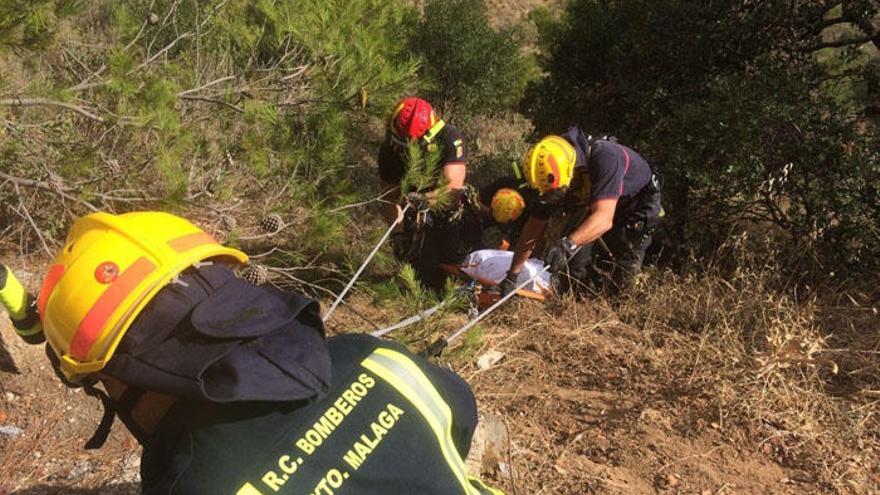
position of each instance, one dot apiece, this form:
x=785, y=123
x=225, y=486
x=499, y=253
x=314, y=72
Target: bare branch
x=208, y=84
x=213, y=100
x=33, y=102
x=827, y=23
x=19, y=181
x=378, y=199
x=140, y=31
x=840, y=43
x=169, y=46
x=26, y=214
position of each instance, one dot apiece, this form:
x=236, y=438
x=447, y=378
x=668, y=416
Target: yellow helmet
x=549, y=165
x=507, y=205
x=108, y=270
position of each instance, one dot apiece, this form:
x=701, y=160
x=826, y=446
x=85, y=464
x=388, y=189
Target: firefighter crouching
x=233, y=388
x=608, y=197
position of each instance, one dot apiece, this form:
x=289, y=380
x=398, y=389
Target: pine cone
x=271, y=223
x=256, y=274
x=228, y=222
x=56, y=182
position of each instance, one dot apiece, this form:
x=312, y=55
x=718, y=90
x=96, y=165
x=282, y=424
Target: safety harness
x=460, y=221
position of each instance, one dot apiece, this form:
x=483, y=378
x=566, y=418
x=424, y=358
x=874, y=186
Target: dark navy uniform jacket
x=390, y=424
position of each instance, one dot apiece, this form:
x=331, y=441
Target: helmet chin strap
x=425, y=140
x=99, y=437
x=435, y=129
x=122, y=408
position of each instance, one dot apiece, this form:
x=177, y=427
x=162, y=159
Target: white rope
x=364, y=264
x=421, y=315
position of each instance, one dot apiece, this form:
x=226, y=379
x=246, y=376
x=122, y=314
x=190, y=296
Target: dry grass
x=504, y=12
x=794, y=375
x=706, y=383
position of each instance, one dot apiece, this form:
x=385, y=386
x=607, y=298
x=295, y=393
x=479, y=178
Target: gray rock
x=10, y=431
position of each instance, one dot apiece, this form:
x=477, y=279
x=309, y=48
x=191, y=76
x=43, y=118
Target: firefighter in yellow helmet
x=607, y=193
x=232, y=387
x=506, y=204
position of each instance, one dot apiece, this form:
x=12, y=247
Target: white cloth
x=492, y=264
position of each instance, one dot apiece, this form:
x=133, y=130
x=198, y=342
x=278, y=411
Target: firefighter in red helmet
x=434, y=231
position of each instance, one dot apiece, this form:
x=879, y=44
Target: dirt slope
x=48, y=458
x=579, y=420
x=582, y=420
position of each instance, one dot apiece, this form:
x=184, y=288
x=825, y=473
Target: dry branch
x=213, y=100
x=207, y=84
x=164, y=50
x=20, y=181
x=27, y=215
x=46, y=102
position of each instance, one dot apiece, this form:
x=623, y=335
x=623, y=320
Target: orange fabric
x=457, y=271
x=190, y=241
x=554, y=167
x=52, y=278
x=92, y=324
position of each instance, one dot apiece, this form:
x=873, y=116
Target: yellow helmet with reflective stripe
x=507, y=205
x=108, y=270
x=549, y=165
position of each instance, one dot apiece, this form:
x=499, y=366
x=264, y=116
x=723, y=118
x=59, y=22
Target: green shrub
x=749, y=127
x=471, y=68
x=32, y=23
x=221, y=109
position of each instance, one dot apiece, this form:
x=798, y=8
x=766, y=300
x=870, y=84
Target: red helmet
x=412, y=118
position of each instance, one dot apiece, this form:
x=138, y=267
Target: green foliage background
x=761, y=116
x=200, y=105
x=468, y=67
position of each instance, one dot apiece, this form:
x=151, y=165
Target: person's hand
x=559, y=254
x=508, y=285
x=418, y=201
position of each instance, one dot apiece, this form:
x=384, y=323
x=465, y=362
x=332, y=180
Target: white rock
x=10, y=431
x=489, y=359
